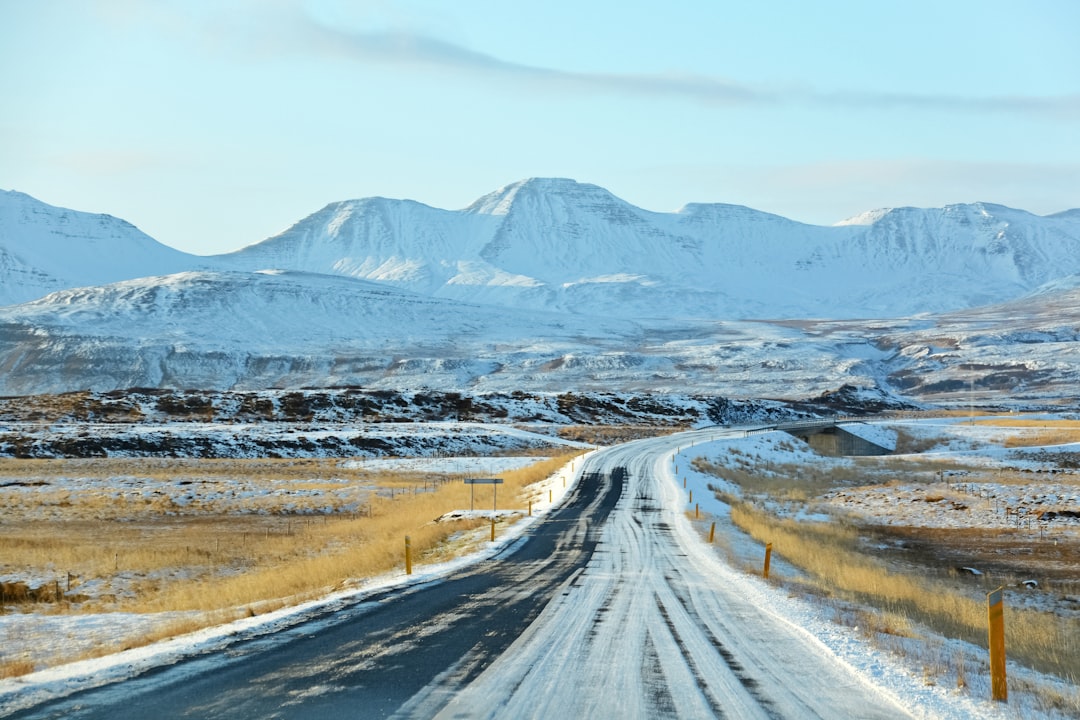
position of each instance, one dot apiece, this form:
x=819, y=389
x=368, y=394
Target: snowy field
x=925, y=499
x=904, y=676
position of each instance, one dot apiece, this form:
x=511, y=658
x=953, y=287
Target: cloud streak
x=269, y=28
x=405, y=48
x=410, y=49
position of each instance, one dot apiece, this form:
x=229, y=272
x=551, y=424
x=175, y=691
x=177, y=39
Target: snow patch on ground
x=880, y=435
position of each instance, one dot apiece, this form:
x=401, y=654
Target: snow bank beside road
x=41, y=637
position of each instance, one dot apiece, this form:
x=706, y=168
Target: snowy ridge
x=246, y=331
x=219, y=330
x=45, y=248
x=575, y=247
x=253, y=331
x=549, y=286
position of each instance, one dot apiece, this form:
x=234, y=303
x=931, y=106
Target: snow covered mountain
x=573, y=247
x=253, y=331
x=218, y=330
x=45, y=248
x=551, y=286
x=232, y=330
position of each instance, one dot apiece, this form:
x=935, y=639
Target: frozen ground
x=903, y=677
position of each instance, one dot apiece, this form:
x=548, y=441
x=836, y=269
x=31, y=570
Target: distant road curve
x=606, y=610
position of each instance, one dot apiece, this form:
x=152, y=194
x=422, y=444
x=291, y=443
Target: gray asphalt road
x=613, y=607
x=370, y=659
x=658, y=627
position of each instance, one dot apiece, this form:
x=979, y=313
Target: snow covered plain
x=902, y=680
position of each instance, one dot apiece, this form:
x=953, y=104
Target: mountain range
x=550, y=285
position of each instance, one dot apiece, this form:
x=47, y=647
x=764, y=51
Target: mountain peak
x=44, y=248
x=501, y=201
x=865, y=218
x=962, y=212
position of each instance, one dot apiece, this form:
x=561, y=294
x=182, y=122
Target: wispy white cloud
x=410, y=48
x=406, y=48
x=275, y=27
x=1063, y=105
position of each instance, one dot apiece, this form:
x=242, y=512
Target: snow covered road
x=612, y=606
x=654, y=628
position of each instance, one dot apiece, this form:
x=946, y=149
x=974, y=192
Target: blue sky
x=215, y=124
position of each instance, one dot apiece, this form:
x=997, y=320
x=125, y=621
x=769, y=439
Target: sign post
x=494, y=482
x=995, y=611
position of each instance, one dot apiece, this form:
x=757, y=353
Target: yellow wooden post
x=684, y=483
x=408, y=555
x=549, y=495
x=691, y=496
x=768, y=558
x=712, y=532
x=530, y=508
x=697, y=511
x=492, y=528
x=995, y=611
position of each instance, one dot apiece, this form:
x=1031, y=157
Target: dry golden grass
x=15, y=668
x=829, y=553
x=1044, y=437
x=909, y=444
x=794, y=481
x=914, y=588
x=154, y=487
x=964, y=412
x=224, y=565
x=786, y=482
x=613, y=434
x=1034, y=432
x=209, y=554
x=1022, y=422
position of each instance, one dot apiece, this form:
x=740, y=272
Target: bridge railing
x=814, y=423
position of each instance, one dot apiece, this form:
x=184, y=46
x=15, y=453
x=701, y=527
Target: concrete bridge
x=828, y=437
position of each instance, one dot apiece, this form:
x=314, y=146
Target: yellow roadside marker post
x=712, y=532
x=408, y=555
x=995, y=611
x=768, y=558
